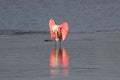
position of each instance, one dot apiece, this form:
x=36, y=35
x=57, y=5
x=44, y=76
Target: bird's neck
x=56, y=31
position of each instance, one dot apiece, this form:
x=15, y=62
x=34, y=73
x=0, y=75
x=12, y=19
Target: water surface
x=82, y=56
x=90, y=52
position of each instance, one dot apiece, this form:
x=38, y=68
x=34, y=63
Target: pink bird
x=58, y=32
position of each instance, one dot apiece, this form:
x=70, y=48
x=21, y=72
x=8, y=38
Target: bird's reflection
x=59, y=62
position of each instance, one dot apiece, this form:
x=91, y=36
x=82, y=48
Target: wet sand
x=83, y=56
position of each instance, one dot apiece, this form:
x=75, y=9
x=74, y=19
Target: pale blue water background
x=93, y=44
x=81, y=15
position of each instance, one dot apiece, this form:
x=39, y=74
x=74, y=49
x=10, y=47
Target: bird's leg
x=55, y=38
x=60, y=43
x=55, y=43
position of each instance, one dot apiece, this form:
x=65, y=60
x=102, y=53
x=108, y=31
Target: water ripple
x=21, y=32
x=28, y=32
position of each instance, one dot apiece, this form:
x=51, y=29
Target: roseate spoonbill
x=58, y=32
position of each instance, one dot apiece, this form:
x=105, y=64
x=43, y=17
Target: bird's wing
x=51, y=23
x=64, y=30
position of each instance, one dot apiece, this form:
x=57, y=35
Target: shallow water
x=82, y=15
x=90, y=52
x=90, y=56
